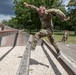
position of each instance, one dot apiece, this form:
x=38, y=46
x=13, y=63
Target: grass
x=58, y=36
x=71, y=39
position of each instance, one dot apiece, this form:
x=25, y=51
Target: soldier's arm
x=31, y=6
x=59, y=13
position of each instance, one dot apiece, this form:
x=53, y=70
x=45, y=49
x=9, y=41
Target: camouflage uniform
x=47, y=25
x=65, y=35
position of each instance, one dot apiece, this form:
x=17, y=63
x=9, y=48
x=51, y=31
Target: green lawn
x=71, y=39
x=58, y=36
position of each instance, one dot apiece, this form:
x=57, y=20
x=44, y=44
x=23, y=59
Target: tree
x=5, y=22
x=72, y=14
x=28, y=19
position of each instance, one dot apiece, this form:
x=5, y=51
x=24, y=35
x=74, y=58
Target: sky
x=66, y=1
x=6, y=9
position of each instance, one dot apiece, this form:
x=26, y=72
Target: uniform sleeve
x=59, y=13
x=34, y=7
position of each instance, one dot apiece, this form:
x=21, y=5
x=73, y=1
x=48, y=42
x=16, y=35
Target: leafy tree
x=28, y=18
x=72, y=14
x=13, y=23
x=5, y=22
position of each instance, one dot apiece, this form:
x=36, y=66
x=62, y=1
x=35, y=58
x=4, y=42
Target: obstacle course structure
x=20, y=45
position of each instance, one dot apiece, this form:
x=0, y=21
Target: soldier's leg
x=53, y=43
x=35, y=40
x=66, y=38
x=37, y=36
x=62, y=39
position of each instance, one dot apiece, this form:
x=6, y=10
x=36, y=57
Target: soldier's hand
x=27, y=5
x=66, y=18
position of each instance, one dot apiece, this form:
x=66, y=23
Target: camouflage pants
x=42, y=33
x=64, y=39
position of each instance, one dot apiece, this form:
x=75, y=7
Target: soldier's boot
x=33, y=45
x=59, y=54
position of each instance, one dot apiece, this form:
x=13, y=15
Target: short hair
x=42, y=6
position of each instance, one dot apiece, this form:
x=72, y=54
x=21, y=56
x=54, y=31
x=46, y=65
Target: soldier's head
x=42, y=9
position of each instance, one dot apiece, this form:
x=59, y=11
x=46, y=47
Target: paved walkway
x=10, y=59
x=69, y=50
x=42, y=61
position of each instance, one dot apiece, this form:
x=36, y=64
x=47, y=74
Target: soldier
x=47, y=26
x=65, y=35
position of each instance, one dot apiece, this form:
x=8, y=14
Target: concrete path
x=43, y=62
x=69, y=50
x=10, y=59
x=73, y=46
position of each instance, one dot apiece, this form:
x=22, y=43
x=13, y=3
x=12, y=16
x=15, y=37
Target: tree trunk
x=75, y=32
x=30, y=28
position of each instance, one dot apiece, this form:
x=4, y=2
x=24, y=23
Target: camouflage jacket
x=46, y=19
